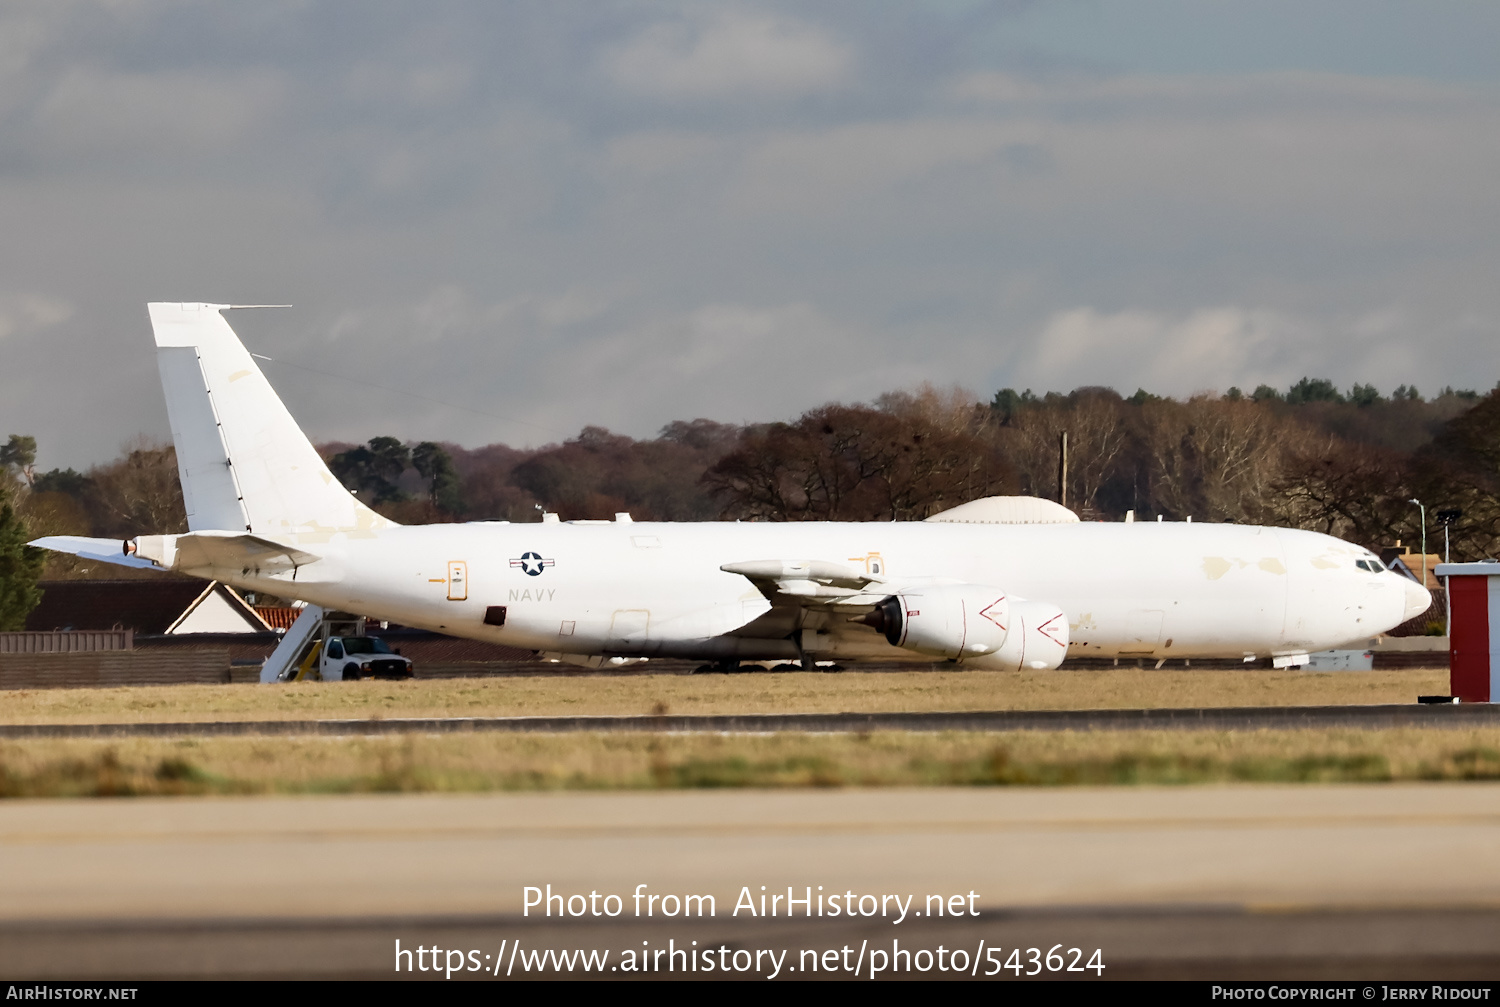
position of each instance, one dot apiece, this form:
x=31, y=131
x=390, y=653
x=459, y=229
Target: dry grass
x=484, y=762
x=720, y=694
x=478, y=762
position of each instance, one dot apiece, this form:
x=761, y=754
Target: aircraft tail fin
x=245, y=465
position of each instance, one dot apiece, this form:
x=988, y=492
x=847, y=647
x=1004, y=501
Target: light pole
x=1447, y=518
x=1424, y=537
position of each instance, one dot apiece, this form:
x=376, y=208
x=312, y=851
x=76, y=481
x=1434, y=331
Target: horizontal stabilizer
x=105, y=550
x=238, y=552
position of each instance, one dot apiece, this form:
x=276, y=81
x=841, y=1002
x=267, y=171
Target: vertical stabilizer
x=245, y=465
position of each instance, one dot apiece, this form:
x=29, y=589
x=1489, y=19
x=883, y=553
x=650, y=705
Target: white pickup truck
x=346, y=658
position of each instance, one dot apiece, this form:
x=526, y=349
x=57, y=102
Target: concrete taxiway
x=1353, y=881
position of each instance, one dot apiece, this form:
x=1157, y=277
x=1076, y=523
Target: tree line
x=1312, y=456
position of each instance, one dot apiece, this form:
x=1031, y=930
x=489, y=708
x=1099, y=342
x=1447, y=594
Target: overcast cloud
x=536, y=216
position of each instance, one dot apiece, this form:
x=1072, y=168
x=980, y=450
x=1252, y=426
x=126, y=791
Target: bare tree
x=1099, y=436
x=953, y=410
x=1212, y=458
x=1352, y=491
x=857, y=463
x=139, y=493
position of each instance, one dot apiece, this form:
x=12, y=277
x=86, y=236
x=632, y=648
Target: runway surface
x=1224, y=718
x=1387, y=881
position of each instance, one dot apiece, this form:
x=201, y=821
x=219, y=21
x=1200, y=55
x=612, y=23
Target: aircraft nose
x=1418, y=600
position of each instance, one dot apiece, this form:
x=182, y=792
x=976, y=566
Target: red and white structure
x=1474, y=630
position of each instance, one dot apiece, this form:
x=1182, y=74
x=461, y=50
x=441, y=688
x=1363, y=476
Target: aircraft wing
x=105, y=550
x=808, y=581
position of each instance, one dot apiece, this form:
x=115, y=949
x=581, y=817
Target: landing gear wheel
x=719, y=668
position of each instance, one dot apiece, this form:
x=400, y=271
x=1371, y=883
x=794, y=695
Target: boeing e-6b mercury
x=1001, y=583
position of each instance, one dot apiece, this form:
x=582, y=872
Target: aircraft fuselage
x=646, y=589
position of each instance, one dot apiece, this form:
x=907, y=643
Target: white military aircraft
x=1001, y=583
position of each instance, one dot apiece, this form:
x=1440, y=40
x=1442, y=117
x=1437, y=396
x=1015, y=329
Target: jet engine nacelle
x=974, y=625
x=1038, y=639
x=956, y=621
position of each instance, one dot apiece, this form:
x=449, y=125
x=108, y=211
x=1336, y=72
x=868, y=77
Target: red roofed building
x=170, y=606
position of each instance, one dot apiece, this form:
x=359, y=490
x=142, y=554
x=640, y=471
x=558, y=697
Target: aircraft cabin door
x=458, y=580
x=1142, y=632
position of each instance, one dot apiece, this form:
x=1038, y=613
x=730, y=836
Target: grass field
x=484, y=762
x=1121, y=688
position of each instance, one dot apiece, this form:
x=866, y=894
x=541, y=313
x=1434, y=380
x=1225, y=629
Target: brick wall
x=120, y=667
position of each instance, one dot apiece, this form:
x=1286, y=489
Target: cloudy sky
x=531, y=216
